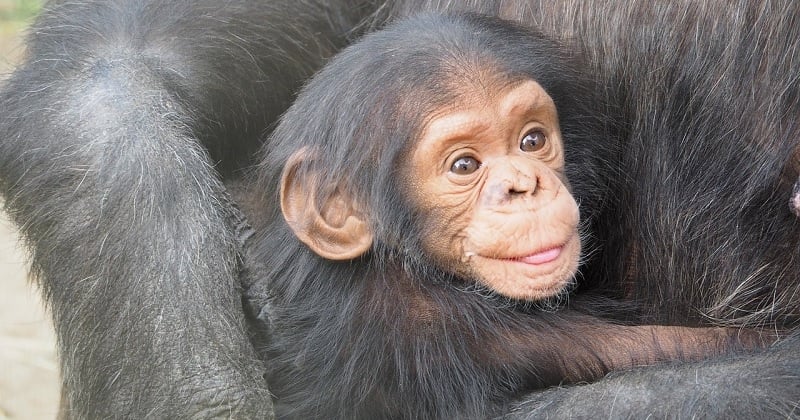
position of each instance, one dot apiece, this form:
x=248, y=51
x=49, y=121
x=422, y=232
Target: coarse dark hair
x=365, y=109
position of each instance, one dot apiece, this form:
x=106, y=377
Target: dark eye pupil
x=464, y=166
x=532, y=141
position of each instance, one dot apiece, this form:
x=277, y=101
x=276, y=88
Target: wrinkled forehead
x=479, y=104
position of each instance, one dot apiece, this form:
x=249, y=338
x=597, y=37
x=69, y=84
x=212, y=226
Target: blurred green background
x=18, y=10
x=15, y=15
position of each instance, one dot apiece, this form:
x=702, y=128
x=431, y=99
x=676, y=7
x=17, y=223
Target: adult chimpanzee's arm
x=765, y=385
x=112, y=134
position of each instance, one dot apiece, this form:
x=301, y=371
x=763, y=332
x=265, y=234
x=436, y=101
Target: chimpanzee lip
x=541, y=257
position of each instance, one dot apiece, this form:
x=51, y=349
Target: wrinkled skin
x=490, y=170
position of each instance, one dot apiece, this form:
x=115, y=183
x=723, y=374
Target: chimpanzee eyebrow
x=443, y=131
x=528, y=99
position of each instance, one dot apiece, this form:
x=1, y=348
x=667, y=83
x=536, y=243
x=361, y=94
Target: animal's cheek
x=445, y=229
x=448, y=213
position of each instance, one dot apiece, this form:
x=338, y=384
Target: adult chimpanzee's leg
x=113, y=133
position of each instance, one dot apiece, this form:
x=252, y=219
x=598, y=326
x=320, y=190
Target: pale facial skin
x=489, y=171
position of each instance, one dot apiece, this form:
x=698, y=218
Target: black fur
x=114, y=134
x=709, y=133
x=390, y=335
x=115, y=131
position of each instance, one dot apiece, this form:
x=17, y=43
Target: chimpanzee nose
x=509, y=188
x=523, y=184
x=518, y=181
x=521, y=178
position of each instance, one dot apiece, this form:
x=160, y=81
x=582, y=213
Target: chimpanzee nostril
x=523, y=185
x=516, y=191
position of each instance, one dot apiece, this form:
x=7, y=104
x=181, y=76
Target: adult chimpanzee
x=429, y=177
x=118, y=127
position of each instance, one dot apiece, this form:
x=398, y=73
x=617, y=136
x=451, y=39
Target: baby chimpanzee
x=424, y=219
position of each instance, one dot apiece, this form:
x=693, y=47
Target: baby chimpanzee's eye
x=465, y=165
x=532, y=141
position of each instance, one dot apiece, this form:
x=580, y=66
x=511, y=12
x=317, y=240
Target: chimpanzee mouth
x=541, y=257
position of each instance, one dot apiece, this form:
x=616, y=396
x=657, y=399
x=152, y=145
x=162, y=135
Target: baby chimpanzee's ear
x=332, y=227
